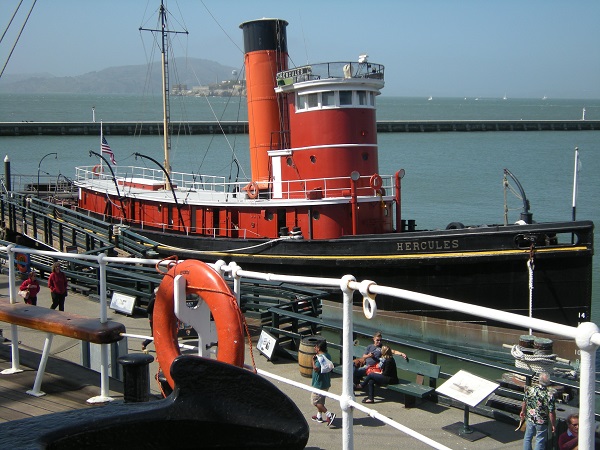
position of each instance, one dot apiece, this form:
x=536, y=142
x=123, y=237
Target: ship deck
x=68, y=386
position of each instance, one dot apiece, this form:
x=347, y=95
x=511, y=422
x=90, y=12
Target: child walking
x=321, y=381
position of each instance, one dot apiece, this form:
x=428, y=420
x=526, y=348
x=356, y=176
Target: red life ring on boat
x=252, y=190
x=376, y=182
x=205, y=282
x=97, y=170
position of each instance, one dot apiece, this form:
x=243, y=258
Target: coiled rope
x=536, y=362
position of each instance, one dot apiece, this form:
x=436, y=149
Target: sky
x=439, y=48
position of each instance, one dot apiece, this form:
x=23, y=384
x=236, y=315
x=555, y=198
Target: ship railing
x=310, y=188
x=337, y=69
x=586, y=336
x=180, y=180
x=338, y=187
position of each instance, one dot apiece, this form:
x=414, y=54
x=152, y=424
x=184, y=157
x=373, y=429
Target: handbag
x=326, y=364
x=24, y=294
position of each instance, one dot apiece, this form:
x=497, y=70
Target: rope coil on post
x=536, y=362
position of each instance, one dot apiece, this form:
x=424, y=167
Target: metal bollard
x=136, y=377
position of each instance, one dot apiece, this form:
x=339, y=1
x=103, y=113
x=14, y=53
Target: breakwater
x=228, y=127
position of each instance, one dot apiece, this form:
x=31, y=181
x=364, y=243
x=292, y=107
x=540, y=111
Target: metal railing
x=586, y=335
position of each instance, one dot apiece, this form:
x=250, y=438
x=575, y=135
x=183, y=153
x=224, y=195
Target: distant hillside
x=120, y=80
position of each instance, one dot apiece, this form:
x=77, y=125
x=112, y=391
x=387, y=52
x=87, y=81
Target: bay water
x=450, y=176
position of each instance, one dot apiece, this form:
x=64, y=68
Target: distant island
x=192, y=76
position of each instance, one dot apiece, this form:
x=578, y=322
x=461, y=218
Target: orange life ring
x=204, y=281
x=376, y=182
x=97, y=170
x=252, y=190
x=22, y=261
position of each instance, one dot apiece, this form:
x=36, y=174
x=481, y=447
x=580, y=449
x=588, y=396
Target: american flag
x=106, y=149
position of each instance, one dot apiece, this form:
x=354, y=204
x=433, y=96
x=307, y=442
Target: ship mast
x=164, y=54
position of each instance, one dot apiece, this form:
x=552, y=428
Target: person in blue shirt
x=321, y=381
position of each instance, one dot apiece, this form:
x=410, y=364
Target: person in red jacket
x=32, y=285
x=568, y=440
x=57, y=283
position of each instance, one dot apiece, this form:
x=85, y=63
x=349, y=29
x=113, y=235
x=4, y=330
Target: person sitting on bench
x=388, y=374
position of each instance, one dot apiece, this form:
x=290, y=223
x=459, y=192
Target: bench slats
x=60, y=322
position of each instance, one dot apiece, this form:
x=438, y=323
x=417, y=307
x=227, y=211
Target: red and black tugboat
x=316, y=203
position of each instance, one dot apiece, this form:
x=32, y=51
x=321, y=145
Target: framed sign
x=266, y=344
x=122, y=303
x=467, y=388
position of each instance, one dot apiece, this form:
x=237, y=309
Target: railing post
x=587, y=383
x=104, y=382
x=14, y=332
x=347, y=373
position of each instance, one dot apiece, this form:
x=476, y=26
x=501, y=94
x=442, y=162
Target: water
x=449, y=176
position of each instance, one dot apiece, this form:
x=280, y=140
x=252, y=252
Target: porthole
x=313, y=159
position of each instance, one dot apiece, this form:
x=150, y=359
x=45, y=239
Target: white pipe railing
x=586, y=335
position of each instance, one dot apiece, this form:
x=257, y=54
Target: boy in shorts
x=321, y=381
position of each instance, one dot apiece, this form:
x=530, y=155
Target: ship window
x=316, y=215
x=371, y=99
x=299, y=102
x=313, y=159
x=365, y=156
x=312, y=100
x=328, y=99
x=362, y=97
x=345, y=97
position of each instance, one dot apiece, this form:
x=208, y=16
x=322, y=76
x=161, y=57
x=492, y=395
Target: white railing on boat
x=586, y=335
x=186, y=184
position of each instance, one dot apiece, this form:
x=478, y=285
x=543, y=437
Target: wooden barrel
x=306, y=351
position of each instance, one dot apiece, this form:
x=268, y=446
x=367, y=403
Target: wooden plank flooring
x=67, y=387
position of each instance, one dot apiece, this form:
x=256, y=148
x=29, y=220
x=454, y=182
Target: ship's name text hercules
x=414, y=246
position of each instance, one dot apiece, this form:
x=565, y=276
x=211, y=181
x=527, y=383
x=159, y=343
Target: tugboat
x=317, y=205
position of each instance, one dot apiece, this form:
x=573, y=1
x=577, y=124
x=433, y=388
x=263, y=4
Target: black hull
x=486, y=266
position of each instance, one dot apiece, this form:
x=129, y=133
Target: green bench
x=410, y=389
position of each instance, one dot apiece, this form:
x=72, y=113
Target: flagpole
x=575, y=174
x=101, y=137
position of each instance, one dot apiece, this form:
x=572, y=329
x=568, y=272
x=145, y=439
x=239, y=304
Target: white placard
x=122, y=303
x=266, y=344
x=467, y=388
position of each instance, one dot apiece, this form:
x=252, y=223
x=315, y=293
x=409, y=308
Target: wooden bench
x=57, y=322
x=60, y=322
x=416, y=389
x=410, y=389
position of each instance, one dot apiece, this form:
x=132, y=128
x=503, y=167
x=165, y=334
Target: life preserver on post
x=204, y=281
x=376, y=182
x=97, y=170
x=22, y=261
x=252, y=190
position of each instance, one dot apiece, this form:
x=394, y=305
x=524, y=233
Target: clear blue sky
x=444, y=48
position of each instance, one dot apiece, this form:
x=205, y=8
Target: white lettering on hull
x=424, y=246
